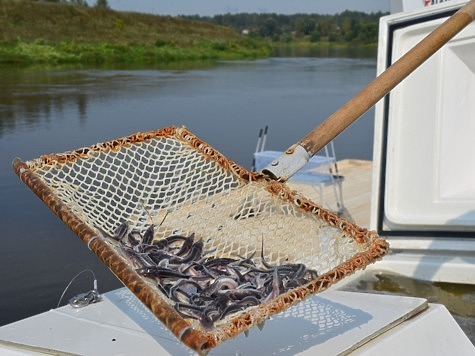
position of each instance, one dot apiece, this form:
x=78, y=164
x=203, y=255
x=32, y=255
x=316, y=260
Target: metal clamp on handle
x=289, y=163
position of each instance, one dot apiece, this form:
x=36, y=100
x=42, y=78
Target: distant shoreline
x=57, y=34
x=46, y=33
x=24, y=53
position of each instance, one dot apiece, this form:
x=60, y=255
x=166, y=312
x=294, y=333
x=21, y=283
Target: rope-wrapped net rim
x=374, y=247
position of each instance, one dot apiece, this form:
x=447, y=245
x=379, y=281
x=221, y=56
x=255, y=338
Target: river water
x=226, y=103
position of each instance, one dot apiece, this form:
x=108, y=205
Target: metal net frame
x=171, y=178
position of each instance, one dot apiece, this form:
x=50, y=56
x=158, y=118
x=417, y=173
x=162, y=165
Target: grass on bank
x=52, y=33
x=42, y=52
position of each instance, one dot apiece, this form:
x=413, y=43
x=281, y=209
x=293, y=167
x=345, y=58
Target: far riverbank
x=59, y=33
x=63, y=34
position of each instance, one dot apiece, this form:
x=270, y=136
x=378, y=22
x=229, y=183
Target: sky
x=214, y=7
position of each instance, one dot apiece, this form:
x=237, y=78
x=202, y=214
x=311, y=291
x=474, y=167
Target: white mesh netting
x=169, y=183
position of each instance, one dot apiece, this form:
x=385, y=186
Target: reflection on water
x=233, y=95
x=458, y=298
x=327, y=52
x=32, y=99
x=32, y=96
x=54, y=110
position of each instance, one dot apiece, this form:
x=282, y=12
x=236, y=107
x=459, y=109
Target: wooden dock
x=356, y=189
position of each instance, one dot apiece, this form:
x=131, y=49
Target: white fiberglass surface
x=430, y=167
x=457, y=123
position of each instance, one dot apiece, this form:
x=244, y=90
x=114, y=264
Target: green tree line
x=346, y=27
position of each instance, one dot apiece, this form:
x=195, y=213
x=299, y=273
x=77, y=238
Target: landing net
x=175, y=181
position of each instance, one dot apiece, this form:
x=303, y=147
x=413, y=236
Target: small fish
x=121, y=231
x=219, y=284
x=202, y=286
x=134, y=238
x=195, y=253
x=186, y=246
x=148, y=235
x=160, y=272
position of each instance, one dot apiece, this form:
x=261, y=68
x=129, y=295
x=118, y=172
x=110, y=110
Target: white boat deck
x=330, y=323
x=356, y=191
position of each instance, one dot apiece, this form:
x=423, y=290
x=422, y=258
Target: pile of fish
x=202, y=286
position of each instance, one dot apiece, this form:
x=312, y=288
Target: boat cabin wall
x=423, y=194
